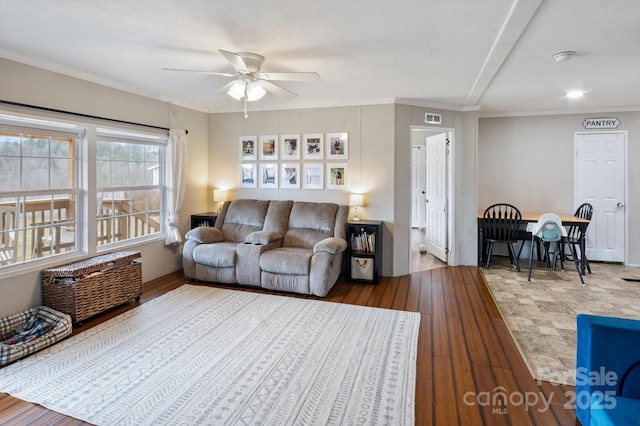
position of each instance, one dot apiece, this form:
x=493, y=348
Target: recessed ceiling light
x=575, y=94
x=563, y=56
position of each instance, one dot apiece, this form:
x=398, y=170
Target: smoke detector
x=563, y=56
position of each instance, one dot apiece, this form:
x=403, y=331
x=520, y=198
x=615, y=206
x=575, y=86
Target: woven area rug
x=541, y=313
x=203, y=355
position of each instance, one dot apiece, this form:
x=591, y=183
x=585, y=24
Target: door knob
x=621, y=205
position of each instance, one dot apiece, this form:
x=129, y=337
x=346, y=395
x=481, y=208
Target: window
x=44, y=199
x=130, y=193
x=38, y=189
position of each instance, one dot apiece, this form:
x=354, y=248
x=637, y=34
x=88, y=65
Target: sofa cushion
x=205, y=235
x=277, y=219
x=220, y=255
x=285, y=282
x=242, y=218
x=263, y=237
x=287, y=260
x=330, y=245
x=310, y=223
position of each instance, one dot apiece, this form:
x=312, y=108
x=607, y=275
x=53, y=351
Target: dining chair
x=8, y=241
x=500, y=225
x=549, y=229
x=577, y=235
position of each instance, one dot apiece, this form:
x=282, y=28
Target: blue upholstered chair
x=608, y=371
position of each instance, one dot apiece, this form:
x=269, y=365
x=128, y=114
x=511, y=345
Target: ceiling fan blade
x=277, y=90
x=236, y=60
x=225, y=88
x=289, y=76
x=223, y=74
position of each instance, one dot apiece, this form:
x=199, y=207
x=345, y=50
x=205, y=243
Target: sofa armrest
x=606, y=348
x=205, y=235
x=330, y=245
x=263, y=237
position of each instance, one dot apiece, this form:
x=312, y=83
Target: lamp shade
x=253, y=90
x=219, y=195
x=356, y=200
x=237, y=89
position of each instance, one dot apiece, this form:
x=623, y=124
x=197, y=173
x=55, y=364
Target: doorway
x=430, y=197
x=600, y=176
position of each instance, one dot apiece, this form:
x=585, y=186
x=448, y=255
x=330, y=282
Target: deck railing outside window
x=41, y=194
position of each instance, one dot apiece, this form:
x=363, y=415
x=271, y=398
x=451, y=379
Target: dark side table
x=203, y=219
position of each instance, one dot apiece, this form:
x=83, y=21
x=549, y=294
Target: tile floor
x=541, y=314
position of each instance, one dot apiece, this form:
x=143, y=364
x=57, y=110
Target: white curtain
x=176, y=185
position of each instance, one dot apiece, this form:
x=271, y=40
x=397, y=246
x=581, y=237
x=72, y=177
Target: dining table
x=525, y=235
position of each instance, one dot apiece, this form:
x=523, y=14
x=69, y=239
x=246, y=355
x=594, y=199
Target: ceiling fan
x=249, y=84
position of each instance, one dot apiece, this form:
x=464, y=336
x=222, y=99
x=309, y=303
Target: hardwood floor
x=469, y=371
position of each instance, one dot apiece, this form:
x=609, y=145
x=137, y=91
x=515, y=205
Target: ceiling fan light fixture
x=255, y=91
x=236, y=90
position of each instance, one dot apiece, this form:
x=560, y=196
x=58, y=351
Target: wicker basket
x=89, y=287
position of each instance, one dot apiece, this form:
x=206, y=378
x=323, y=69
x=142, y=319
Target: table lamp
x=356, y=200
x=219, y=196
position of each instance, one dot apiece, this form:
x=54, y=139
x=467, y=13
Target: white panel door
x=418, y=214
x=600, y=178
x=436, y=226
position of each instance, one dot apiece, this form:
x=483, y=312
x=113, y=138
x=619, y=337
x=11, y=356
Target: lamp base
x=356, y=216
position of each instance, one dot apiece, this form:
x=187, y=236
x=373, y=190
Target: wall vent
x=432, y=118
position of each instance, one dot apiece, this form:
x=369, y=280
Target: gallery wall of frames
x=294, y=161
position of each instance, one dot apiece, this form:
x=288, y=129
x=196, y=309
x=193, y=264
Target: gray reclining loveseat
x=289, y=246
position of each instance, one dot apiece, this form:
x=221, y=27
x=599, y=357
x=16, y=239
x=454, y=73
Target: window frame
x=117, y=135
x=84, y=160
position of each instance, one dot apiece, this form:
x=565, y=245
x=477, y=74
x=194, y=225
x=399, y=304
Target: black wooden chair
x=501, y=223
x=577, y=235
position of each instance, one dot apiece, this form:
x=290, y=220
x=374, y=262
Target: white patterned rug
x=203, y=355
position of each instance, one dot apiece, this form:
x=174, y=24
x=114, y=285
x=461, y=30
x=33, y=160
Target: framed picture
x=268, y=175
x=248, y=175
x=290, y=147
x=313, y=177
x=248, y=147
x=337, y=146
x=268, y=147
x=337, y=175
x=313, y=146
x=290, y=175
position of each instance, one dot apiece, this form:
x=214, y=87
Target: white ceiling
x=491, y=55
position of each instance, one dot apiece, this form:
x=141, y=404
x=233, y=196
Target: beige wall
x=463, y=247
x=370, y=160
x=29, y=85
x=379, y=165
x=528, y=162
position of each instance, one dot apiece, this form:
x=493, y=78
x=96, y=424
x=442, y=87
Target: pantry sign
x=601, y=123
